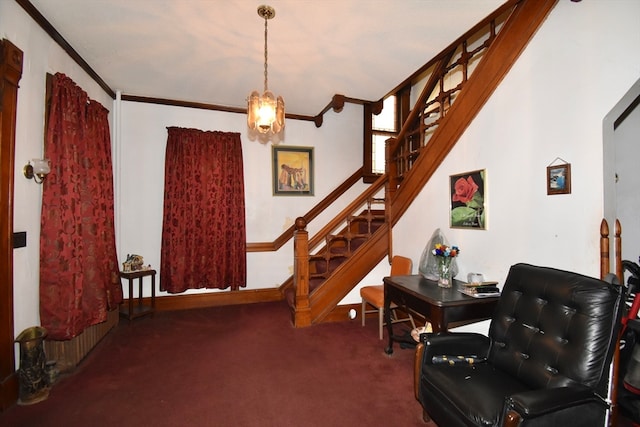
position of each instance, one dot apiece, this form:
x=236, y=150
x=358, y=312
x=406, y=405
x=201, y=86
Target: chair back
x=401, y=266
x=554, y=328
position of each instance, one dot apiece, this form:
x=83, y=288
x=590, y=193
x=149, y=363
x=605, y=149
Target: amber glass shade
x=265, y=113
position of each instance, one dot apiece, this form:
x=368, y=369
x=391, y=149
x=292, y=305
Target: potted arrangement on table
x=444, y=255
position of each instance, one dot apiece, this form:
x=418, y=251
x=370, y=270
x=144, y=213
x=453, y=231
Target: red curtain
x=203, y=232
x=78, y=263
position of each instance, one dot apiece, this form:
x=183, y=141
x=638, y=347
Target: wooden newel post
x=302, y=315
x=604, y=249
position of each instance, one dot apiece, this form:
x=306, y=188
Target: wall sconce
x=37, y=169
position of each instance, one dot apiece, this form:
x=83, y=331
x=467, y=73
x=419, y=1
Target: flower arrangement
x=444, y=254
x=445, y=251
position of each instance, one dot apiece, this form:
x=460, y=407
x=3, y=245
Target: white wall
x=337, y=151
x=550, y=105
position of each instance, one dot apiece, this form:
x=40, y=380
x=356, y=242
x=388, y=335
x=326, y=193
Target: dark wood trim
x=57, y=37
x=627, y=111
x=203, y=106
x=214, y=299
x=220, y=299
x=10, y=74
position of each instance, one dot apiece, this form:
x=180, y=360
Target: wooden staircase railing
x=477, y=61
x=312, y=214
x=304, y=296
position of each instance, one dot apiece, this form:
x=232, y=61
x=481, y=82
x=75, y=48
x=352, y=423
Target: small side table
x=130, y=311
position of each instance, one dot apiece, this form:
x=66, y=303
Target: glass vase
x=444, y=272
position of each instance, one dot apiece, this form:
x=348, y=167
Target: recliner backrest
x=552, y=328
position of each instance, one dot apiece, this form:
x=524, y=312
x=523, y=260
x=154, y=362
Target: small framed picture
x=292, y=171
x=559, y=179
x=467, y=198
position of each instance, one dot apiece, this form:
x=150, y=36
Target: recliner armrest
x=454, y=344
x=535, y=403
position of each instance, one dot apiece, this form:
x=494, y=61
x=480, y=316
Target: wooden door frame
x=10, y=74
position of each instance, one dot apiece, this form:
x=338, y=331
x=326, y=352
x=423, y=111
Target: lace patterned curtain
x=203, y=232
x=78, y=263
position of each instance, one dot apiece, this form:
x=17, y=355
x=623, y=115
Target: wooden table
x=131, y=311
x=440, y=306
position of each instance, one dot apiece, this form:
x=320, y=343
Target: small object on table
x=481, y=290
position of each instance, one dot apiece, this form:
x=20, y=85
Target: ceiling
x=212, y=51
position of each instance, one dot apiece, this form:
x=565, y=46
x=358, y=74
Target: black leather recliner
x=545, y=361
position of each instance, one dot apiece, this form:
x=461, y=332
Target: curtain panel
x=203, y=232
x=79, y=268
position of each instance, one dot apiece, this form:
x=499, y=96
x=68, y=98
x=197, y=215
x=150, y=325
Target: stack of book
x=481, y=290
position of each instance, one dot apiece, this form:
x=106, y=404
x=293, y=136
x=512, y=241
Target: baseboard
x=214, y=299
x=341, y=313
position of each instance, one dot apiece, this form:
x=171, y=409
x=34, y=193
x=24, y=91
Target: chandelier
x=265, y=113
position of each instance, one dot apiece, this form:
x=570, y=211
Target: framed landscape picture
x=559, y=179
x=467, y=199
x=292, y=171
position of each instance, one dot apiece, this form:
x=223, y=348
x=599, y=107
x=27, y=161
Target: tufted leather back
x=554, y=328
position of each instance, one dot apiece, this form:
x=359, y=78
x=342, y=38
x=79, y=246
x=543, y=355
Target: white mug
x=475, y=278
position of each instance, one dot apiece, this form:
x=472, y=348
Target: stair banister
x=314, y=212
x=340, y=217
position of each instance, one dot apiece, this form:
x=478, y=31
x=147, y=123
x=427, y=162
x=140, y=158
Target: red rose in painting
x=464, y=190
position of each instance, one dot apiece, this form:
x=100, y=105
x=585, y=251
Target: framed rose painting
x=467, y=198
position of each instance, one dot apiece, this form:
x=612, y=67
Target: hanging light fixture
x=265, y=113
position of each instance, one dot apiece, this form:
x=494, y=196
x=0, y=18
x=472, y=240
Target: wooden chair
x=374, y=295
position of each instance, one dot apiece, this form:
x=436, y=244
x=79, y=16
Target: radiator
x=68, y=354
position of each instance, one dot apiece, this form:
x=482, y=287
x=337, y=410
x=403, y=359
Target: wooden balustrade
x=309, y=216
x=455, y=63
x=476, y=63
x=354, y=222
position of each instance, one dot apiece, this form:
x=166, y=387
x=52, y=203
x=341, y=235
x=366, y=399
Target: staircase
x=457, y=83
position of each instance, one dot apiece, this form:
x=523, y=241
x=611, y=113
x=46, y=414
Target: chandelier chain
x=266, y=86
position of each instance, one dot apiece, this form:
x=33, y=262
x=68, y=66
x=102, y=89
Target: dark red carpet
x=232, y=366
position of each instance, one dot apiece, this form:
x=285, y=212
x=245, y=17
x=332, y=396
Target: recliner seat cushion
x=475, y=393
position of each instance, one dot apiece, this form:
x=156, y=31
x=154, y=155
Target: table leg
x=387, y=319
x=130, y=300
x=438, y=323
x=153, y=294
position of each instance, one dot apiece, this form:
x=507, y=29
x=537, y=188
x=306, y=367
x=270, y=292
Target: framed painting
x=559, y=179
x=467, y=200
x=292, y=171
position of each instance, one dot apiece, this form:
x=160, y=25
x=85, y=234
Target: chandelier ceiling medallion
x=265, y=113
